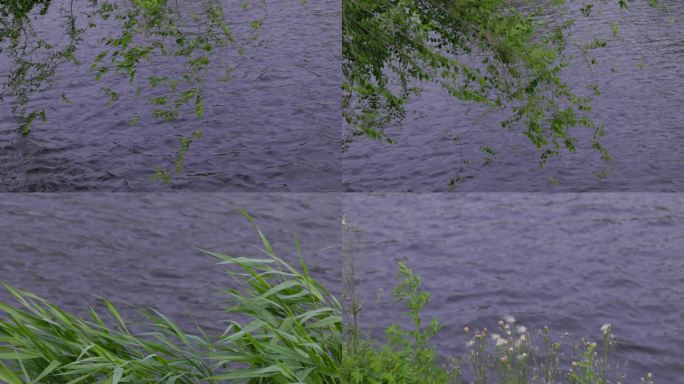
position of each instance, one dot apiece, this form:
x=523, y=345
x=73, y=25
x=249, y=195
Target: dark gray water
x=275, y=126
x=140, y=249
x=642, y=106
x=568, y=261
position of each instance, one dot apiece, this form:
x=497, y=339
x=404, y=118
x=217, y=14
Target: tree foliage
x=148, y=30
x=35, y=59
x=502, y=54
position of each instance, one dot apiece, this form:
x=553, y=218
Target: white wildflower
x=498, y=339
x=509, y=319
x=605, y=329
x=521, y=340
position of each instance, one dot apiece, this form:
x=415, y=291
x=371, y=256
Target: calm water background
x=140, y=249
x=643, y=112
x=568, y=261
x=274, y=127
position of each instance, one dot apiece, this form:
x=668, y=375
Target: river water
x=568, y=261
x=141, y=249
x=275, y=126
x=642, y=107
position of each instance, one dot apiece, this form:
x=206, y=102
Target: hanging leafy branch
x=502, y=54
x=35, y=59
x=154, y=29
x=149, y=30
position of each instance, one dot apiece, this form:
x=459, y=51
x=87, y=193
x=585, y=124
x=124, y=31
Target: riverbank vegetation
x=284, y=327
x=510, y=354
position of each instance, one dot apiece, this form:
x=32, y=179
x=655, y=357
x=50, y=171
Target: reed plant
x=285, y=327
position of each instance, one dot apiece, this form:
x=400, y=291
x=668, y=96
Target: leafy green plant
x=39, y=342
x=292, y=334
x=510, y=355
x=408, y=357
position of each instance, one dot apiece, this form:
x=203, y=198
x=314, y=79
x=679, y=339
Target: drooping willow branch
x=147, y=30
x=506, y=55
x=35, y=59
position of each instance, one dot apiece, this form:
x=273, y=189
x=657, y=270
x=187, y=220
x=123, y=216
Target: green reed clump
x=294, y=332
x=39, y=342
x=285, y=328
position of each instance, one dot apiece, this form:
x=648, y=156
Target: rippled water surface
x=141, y=249
x=642, y=107
x=275, y=126
x=568, y=261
